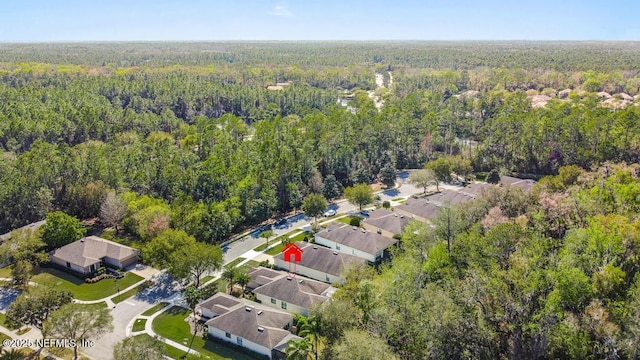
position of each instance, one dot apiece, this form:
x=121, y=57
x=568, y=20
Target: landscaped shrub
x=355, y=221
x=386, y=204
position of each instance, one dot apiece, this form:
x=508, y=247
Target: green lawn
x=205, y=279
x=121, y=238
x=125, y=295
x=5, y=272
x=155, y=309
x=249, y=264
x=300, y=237
x=276, y=249
x=139, y=325
x=171, y=325
x=79, y=288
x=4, y=336
x=3, y=322
x=236, y=261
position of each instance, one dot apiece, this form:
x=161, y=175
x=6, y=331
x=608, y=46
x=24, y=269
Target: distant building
x=33, y=226
x=319, y=263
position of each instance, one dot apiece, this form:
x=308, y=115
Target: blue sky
x=119, y=20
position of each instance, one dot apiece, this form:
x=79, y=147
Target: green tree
x=314, y=205
x=61, y=229
x=311, y=331
x=139, y=348
x=441, y=169
x=388, y=175
x=330, y=187
x=493, y=177
x=230, y=274
x=78, y=322
x=266, y=235
x=299, y=349
x=423, y=178
x=34, y=306
x=360, y=345
x=193, y=261
x=25, y=249
x=243, y=278
x=360, y=195
x=158, y=251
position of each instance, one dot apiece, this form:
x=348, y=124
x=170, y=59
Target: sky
x=197, y=20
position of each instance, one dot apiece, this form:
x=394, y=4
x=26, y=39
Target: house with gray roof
x=291, y=293
x=33, y=227
x=419, y=209
x=86, y=255
x=385, y=222
x=355, y=241
x=248, y=324
x=319, y=263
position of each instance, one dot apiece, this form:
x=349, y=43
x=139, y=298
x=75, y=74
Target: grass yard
x=155, y=309
x=5, y=272
x=79, y=288
x=110, y=234
x=172, y=325
x=300, y=237
x=249, y=264
x=3, y=322
x=125, y=295
x=139, y=325
x=4, y=336
x=236, y=261
x=276, y=249
x=205, y=279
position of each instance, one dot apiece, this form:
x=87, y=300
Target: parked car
x=280, y=222
x=365, y=212
x=329, y=213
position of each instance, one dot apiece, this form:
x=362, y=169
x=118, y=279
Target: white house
x=385, y=222
x=355, y=241
x=319, y=263
x=248, y=324
x=86, y=255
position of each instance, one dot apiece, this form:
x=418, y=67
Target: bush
x=265, y=263
x=386, y=204
x=354, y=221
x=397, y=236
x=493, y=177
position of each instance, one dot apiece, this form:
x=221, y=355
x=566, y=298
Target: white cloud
x=281, y=10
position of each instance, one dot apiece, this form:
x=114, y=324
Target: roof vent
x=259, y=312
x=401, y=216
x=363, y=231
x=315, y=247
x=300, y=281
x=335, y=253
x=396, y=215
x=355, y=228
x=289, y=278
x=260, y=328
x=248, y=308
x=82, y=240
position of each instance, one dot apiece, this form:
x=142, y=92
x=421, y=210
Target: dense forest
x=195, y=137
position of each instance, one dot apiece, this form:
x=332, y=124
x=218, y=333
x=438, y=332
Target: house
x=419, y=209
x=525, y=184
x=86, y=255
x=355, y=241
x=248, y=324
x=319, y=263
x=295, y=295
x=385, y=222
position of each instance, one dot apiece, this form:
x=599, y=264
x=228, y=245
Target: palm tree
x=311, y=329
x=298, y=350
x=230, y=274
x=11, y=354
x=266, y=235
x=243, y=279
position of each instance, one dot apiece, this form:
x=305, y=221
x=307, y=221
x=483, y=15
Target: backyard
x=171, y=324
x=80, y=289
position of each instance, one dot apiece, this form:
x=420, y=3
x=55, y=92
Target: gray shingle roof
x=252, y=321
x=387, y=220
x=420, y=207
x=91, y=249
x=324, y=259
x=32, y=226
x=297, y=291
x=360, y=239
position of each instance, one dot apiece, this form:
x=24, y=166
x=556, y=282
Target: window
x=227, y=335
x=69, y=265
x=353, y=251
x=284, y=305
x=328, y=278
x=273, y=301
x=337, y=247
x=239, y=341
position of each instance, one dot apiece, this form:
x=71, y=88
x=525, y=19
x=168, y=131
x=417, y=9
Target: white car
x=329, y=213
